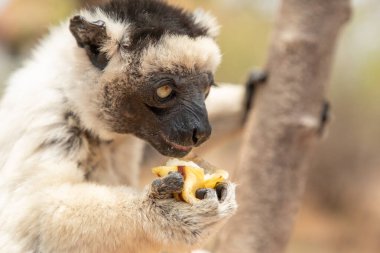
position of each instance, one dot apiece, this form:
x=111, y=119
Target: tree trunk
x=283, y=126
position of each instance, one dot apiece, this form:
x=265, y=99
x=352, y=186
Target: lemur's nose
x=201, y=134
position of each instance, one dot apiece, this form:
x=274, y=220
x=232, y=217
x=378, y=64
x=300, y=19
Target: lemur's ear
x=206, y=21
x=90, y=36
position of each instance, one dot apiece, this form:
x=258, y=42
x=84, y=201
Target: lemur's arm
x=67, y=214
x=103, y=219
x=92, y=218
x=224, y=101
x=228, y=104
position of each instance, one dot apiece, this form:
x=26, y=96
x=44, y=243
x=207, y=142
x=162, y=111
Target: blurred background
x=340, y=211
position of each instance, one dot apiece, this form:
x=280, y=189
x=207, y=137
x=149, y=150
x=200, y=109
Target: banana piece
x=211, y=180
x=194, y=178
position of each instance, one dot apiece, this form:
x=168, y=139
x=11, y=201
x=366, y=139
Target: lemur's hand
x=163, y=188
x=189, y=224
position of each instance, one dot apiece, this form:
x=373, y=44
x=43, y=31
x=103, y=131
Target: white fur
x=225, y=99
x=206, y=20
x=199, y=53
x=116, y=30
x=46, y=204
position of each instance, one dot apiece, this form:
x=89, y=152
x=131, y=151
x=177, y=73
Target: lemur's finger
x=256, y=78
x=221, y=191
x=165, y=187
x=201, y=193
x=205, y=193
x=325, y=117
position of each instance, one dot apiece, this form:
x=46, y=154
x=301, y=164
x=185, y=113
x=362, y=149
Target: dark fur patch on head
x=90, y=36
x=151, y=19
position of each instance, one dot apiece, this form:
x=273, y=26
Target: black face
x=166, y=110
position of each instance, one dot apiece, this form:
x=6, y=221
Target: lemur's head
x=156, y=64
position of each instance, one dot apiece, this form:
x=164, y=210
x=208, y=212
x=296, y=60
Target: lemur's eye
x=164, y=91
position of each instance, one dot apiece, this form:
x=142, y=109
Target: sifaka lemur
x=69, y=156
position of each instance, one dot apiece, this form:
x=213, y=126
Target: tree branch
x=283, y=126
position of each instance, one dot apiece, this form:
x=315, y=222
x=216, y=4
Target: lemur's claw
x=205, y=193
x=256, y=78
x=325, y=116
x=221, y=191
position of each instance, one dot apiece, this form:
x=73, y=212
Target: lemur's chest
x=108, y=162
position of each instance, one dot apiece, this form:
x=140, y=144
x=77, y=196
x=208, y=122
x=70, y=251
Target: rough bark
x=283, y=126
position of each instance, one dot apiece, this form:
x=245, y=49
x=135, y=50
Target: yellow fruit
x=162, y=171
x=213, y=179
x=194, y=179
